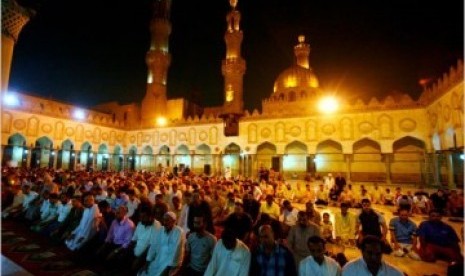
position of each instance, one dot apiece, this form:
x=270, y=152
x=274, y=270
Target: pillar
x=387, y=162
x=348, y=159
x=450, y=170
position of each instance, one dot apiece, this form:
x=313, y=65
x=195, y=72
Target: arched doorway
x=42, y=155
x=203, y=160
x=15, y=153
x=407, y=164
x=147, y=160
x=182, y=158
x=66, y=155
x=265, y=153
x=118, y=158
x=132, y=155
x=367, y=162
x=102, y=158
x=231, y=159
x=329, y=157
x=295, y=160
x=86, y=157
x=163, y=158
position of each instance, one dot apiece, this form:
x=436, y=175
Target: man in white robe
x=230, y=257
x=166, y=252
x=317, y=263
x=87, y=227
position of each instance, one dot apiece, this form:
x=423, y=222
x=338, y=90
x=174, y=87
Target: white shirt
x=166, y=250
x=28, y=198
x=144, y=235
x=234, y=262
x=51, y=212
x=329, y=267
x=86, y=229
x=358, y=267
x=63, y=211
x=290, y=217
x=132, y=206
x=182, y=220
x=44, y=209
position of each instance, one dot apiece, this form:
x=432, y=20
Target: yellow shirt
x=273, y=210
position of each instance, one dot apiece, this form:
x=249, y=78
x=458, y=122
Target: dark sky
x=92, y=51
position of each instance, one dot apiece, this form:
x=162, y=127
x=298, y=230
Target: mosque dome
x=300, y=76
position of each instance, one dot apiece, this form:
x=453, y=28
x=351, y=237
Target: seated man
x=317, y=263
x=438, y=240
x=118, y=238
x=49, y=215
x=71, y=221
x=371, y=262
x=404, y=235
x=322, y=196
x=388, y=198
x=17, y=203
x=420, y=204
x=270, y=207
x=345, y=223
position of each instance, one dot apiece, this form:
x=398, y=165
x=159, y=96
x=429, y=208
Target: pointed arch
x=366, y=145
x=296, y=147
x=16, y=140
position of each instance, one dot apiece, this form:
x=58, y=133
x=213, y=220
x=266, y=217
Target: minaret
x=233, y=66
x=233, y=69
x=158, y=60
x=302, y=52
x=14, y=17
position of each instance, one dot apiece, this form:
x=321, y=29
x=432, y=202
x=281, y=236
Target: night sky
x=93, y=51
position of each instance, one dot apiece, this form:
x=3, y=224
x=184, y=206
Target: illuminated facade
x=394, y=140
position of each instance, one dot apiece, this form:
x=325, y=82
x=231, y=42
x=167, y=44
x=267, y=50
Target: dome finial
x=301, y=38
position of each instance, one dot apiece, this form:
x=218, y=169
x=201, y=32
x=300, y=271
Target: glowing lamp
x=328, y=105
x=79, y=114
x=11, y=100
x=161, y=121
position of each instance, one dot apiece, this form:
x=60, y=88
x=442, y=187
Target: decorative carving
x=139, y=139
x=295, y=131
x=105, y=136
x=69, y=131
x=132, y=139
x=213, y=135
x=173, y=137
x=164, y=137
x=19, y=124
x=192, y=136
x=79, y=133
x=252, y=133
x=6, y=122
x=279, y=132
x=407, y=125
x=347, y=129
x=203, y=136
x=112, y=138
x=182, y=137
x=147, y=138
x=365, y=127
x=310, y=130
x=32, y=126
x=46, y=128
x=156, y=138
x=446, y=112
x=59, y=127
x=265, y=133
x=328, y=129
x=385, y=125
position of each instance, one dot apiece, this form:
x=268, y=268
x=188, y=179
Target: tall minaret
x=233, y=66
x=302, y=52
x=14, y=17
x=158, y=60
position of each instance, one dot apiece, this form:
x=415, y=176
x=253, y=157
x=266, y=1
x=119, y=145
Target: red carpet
x=36, y=254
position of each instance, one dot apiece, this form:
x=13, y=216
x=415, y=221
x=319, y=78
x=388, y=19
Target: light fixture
x=328, y=105
x=161, y=121
x=79, y=114
x=10, y=99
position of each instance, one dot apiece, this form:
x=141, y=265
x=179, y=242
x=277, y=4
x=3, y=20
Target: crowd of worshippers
x=152, y=224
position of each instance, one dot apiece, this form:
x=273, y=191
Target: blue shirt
x=403, y=230
x=279, y=263
x=440, y=233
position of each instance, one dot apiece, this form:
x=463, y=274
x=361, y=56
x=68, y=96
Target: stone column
x=55, y=158
x=387, y=162
x=348, y=159
x=450, y=170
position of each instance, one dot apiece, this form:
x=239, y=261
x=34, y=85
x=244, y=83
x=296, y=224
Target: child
x=327, y=228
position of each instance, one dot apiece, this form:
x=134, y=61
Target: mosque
x=395, y=140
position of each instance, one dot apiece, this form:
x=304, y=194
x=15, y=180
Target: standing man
x=230, y=257
x=270, y=257
x=317, y=263
x=340, y=182
x=199, y=248
x=371, y=263
x=299, y=235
